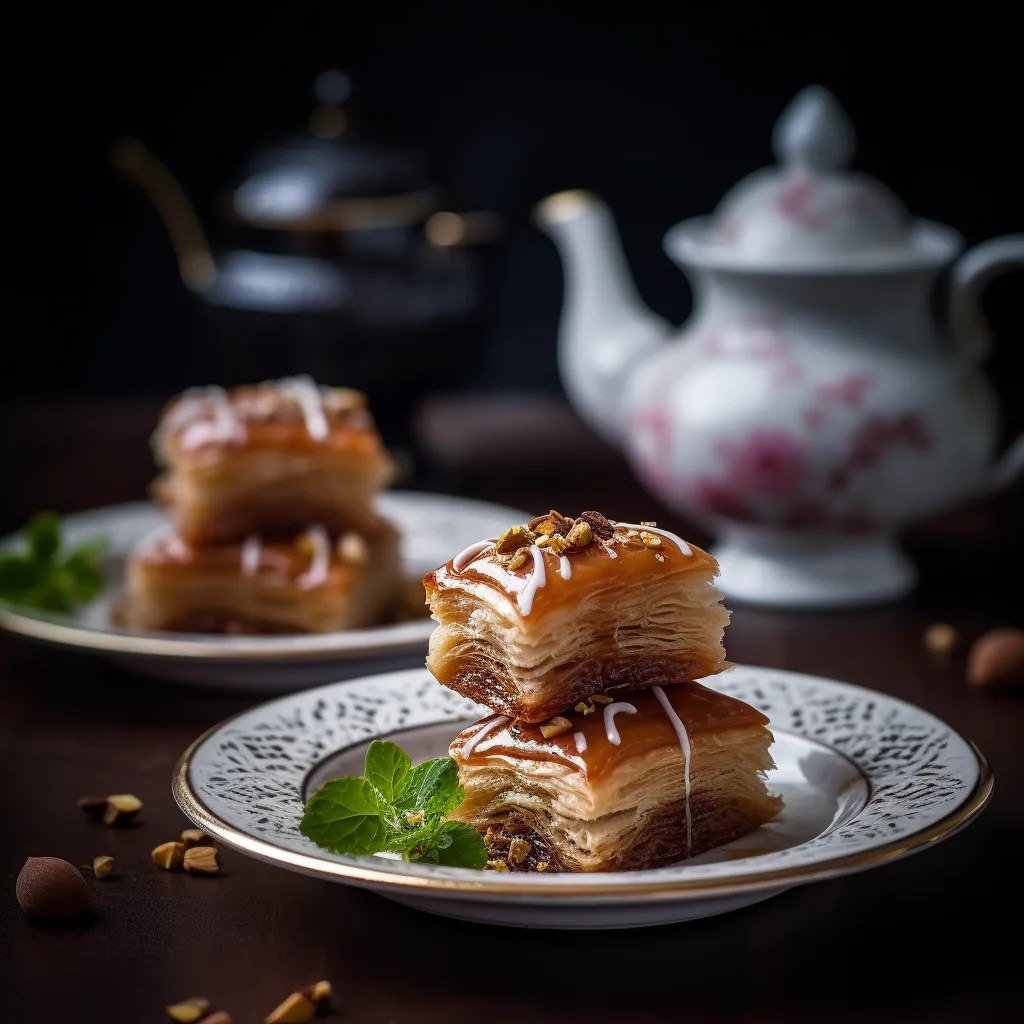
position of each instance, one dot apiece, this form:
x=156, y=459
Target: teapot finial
x=814, y=132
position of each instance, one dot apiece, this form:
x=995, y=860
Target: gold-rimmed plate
x=865, y=779
x=431, y=526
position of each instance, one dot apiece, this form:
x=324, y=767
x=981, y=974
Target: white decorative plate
x=432, y=527
x=865, y=778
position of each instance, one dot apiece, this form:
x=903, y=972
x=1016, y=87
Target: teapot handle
x=972, y=272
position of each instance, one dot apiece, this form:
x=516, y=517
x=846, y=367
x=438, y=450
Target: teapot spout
x=605, y=329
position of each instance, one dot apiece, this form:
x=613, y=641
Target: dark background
x=657, y=111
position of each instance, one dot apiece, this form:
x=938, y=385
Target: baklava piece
x=616, y=785
x=307, y=585
x=552, y=611
x=269, y=458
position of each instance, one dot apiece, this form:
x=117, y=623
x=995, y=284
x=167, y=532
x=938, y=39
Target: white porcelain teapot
x=811, y=406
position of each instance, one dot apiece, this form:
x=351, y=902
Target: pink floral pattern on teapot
x=811, y=406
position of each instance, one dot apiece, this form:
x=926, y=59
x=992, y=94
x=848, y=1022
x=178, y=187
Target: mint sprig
x=46, y=576
x=395, y=807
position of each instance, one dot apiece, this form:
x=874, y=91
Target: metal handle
x=191, y=246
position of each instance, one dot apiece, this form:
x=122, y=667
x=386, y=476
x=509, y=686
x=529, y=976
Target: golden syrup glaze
x=292, y=563
x=699, y=708
x=484, y=574
x=276, y=415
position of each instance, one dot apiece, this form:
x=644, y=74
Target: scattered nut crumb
x=600, y=526
x=102, y=865
x=644, y=522
x=553, y=522
x=192, y=837
x=341, y=400
x=93, y=806
x=201, y=860
x=320, y=995
x=651, y=540
x=220, y=1017
x=580, y=535
x=495, y=836
x=353, y=549
x=121, y=809
x=296, y=1009
x=602, y=699
x=519, y=558
x=497, y=865
x=512, y=539
x=555, y=727
x=584, y=707
x=941, y=638
x=519, y=850
x=997, y=658
x=542, y=865
x=168, y=855
x=189, y=1010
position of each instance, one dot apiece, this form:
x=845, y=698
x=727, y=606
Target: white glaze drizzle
x=564, y=567
x=177, y=548
x=581, y=742
x=466, y=555
x=610, y=711
x=310, y=400
x=684, y=743
x=534, y=581
x=203, y=415
x=682, y=545
x=470, y=745
x=316, y=574
x=608, y=550
x=252, y=551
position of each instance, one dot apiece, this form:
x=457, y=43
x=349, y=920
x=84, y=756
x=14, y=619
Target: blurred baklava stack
x=585, y=637
x=270, y=490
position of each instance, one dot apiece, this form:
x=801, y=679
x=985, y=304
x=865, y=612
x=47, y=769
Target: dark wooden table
x=920, y=940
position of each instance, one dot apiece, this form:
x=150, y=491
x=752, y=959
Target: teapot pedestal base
x=783, y=569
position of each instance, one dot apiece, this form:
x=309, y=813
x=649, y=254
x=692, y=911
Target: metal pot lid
x=331, y=177
x=811, y=206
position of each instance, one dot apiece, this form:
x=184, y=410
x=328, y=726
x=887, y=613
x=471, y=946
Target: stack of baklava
x=270, y=490
x=585, y=638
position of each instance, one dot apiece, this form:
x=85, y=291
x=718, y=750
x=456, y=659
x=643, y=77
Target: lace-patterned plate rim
x=926, y=783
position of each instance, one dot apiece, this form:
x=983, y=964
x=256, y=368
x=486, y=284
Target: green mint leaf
x=343, y=816
x=453, y=844
x=43, y=534
x=432, y=787
x=18, y=574
x=49, y=596
x=387, y=767
x=80, y=576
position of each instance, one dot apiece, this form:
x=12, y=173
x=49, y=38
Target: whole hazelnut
x=51, y=887
x=997, y=658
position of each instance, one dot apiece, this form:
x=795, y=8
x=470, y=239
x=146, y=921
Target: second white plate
x=432, y=528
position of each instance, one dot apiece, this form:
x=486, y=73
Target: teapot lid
x=810, y=210
x=331, y=177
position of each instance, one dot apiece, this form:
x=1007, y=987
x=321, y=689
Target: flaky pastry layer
x=636, y=816
x=621, y=621
x=268, y=458
x=311, y=585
